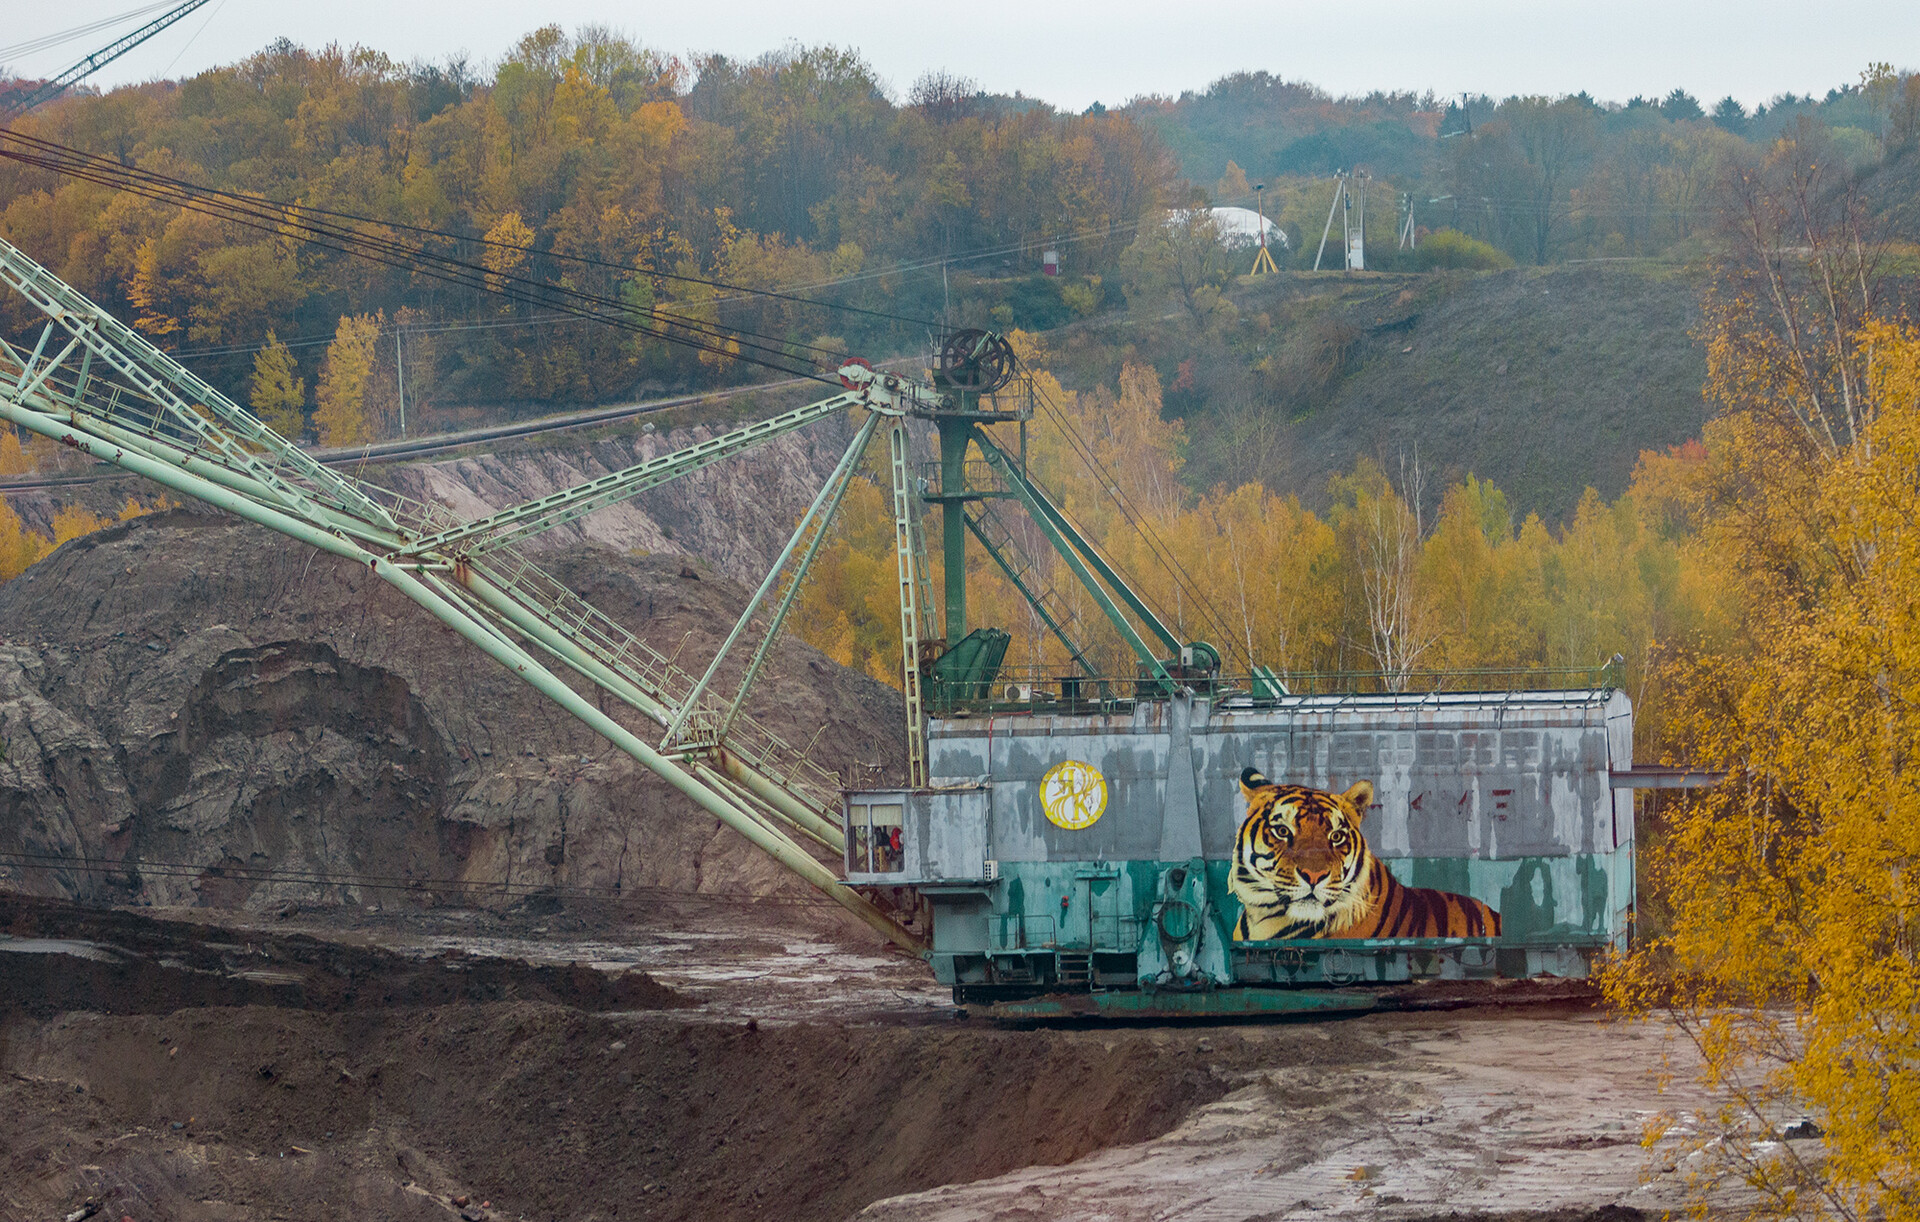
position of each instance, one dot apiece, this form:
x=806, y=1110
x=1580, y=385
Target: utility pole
x=1357, y=234
x=1339, y=193
x=1262, y=262
x=400, y=380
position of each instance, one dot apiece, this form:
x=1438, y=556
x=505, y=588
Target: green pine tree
x=276, y=395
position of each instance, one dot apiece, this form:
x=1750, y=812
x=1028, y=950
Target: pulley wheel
x=976, y=360
x=861, y=361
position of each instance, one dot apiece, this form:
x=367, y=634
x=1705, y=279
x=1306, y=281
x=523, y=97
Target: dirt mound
x=1606, y=1213
x=553, y=1113
x=57, y=956
x=196, y=711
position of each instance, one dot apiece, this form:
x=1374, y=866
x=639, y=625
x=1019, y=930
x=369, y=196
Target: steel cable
x=287, y=221
x=1110, y=484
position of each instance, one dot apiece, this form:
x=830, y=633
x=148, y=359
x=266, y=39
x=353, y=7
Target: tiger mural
x=1301, y=869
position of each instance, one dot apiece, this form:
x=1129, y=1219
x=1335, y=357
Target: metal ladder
x=906, y=562
x=1075, y=970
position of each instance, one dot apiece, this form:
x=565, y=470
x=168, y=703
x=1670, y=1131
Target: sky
x=1073, y=54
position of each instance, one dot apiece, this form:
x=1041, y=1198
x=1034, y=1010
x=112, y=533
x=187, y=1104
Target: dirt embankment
x=743, y=1075
x=187, y=702
x=734, y=515
x=545, y=1112
x=56, y=957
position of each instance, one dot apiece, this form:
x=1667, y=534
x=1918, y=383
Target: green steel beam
x=159, y=421
x=481, y=585
x=574, y=503
x=113, y=436
x=1033, y=600
x=226, y=429
x=20, y=104
x=834, y=490
x=1060, y=535
x=900, y=461
x=827, y=832
x=816, y=520
x=1084, y=545
x=954, y=436
x=478, y=632
x=751, y=802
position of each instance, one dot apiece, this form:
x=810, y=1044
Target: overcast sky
x=1072, y=54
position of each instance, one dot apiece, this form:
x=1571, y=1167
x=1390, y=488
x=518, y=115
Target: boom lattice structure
x=52, y=89
x=94, y=384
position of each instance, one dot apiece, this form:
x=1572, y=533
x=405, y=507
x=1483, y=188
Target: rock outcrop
x=195, y=710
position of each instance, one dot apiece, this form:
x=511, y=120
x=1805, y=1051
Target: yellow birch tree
x=275, y=393
x=341, y=417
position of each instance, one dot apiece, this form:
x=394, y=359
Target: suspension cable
x=287, y=220
x=1156, y=546
x=51, y=149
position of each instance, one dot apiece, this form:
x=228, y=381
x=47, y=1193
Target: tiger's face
x=1300, y=860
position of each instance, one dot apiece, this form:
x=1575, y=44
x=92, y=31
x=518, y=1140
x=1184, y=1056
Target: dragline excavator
x=1077, y=836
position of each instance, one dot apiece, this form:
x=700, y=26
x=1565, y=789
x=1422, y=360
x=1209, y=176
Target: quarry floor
x=723, y=1061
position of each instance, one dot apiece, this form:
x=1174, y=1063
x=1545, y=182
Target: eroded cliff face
x=735, y=515
x=195, y=710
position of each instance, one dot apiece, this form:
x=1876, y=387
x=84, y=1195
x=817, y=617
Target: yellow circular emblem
x=1073, y=794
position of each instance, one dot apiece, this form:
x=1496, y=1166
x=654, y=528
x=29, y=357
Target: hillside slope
x=1546, y=381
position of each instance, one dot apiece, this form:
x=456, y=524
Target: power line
x=427, y=328
x=1129, y=512
x=424, y=231
x=73, y=33
x=291, y=221
x=280, y=218
x=893, y=269
x=22, y=102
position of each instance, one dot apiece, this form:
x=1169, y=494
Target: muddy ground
x=704, y=1060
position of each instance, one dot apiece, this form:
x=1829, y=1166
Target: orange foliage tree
x=1789, y=948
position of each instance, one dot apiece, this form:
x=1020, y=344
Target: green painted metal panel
x=1543, y=901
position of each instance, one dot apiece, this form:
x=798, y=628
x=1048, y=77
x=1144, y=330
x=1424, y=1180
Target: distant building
x=1240, y=229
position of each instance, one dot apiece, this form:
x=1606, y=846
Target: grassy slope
x=1546, y=381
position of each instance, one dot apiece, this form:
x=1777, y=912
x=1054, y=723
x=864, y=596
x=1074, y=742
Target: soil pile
x=56, y=956
x=198, y=711
x=735, y=515
x=550, y=1113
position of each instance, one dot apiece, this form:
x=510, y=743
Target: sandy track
x=1464, y=1112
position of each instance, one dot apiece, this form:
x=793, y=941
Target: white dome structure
x=1240, y=228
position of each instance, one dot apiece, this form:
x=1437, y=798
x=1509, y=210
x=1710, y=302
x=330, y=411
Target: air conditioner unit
x=1017, y=693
